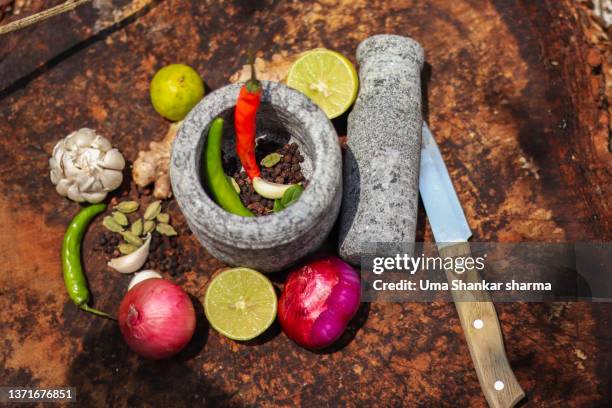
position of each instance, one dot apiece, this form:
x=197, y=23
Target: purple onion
x=318, y=301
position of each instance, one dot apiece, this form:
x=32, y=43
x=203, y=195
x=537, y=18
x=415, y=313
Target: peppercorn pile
x=286, y=171
x=166, y=256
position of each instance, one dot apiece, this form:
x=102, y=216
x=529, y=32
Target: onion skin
x=156, y=319
x=318, y=301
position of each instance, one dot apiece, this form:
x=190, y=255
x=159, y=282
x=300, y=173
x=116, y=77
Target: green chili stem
x=97, y=312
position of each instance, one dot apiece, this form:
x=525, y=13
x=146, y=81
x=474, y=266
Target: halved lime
x=326, y=77
x=240, y=303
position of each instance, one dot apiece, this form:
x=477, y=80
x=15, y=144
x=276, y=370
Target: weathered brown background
x=515, y=94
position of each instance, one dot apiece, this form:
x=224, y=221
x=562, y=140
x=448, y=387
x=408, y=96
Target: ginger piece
x=274, y=70
x=152, y=165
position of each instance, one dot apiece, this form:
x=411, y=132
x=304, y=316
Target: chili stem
x=97, y=312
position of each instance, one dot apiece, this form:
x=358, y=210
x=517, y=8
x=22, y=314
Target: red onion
x=156, y=318
x=318, y=301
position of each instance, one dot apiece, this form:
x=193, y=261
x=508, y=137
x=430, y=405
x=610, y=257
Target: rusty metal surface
x=514, y=105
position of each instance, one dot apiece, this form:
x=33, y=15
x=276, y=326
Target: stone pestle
x=381, y=168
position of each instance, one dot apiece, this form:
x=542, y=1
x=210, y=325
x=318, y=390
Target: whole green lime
x=175, y=90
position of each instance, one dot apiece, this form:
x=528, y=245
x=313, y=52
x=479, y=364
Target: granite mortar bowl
x=275, y=241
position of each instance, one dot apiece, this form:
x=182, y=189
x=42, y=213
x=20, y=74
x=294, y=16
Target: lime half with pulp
x=327, y=78
x=240, y=303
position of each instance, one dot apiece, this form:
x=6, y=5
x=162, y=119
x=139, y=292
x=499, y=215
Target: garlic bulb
x=85, y=167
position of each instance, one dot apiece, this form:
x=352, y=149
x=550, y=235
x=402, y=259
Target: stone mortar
x=272, y=242
x=381, y=169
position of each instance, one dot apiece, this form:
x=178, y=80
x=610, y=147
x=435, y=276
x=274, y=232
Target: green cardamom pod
x=137, y=227
x=152, y=210
x=131, y=238
x=271, y=160
x=127, y=207
x=148, y=226
x=121, y=218
x=163, y=217
x=127, y=249
x=110, y=224
x=166, y=229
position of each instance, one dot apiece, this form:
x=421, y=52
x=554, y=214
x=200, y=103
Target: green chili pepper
x=218, y=184
x=74, y=278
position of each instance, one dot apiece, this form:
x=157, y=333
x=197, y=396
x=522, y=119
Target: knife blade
x=476, y=311
x=439, y=196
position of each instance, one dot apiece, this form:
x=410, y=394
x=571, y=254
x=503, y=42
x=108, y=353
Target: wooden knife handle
x=483, y=335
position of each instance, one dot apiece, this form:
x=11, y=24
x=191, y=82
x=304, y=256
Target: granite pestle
x=381, y=164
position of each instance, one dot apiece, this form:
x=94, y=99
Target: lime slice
x=326, y=77
x=240, y=303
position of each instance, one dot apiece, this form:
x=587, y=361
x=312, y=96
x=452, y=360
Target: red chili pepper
x=244, y=122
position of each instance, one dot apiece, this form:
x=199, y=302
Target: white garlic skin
x=85, y=166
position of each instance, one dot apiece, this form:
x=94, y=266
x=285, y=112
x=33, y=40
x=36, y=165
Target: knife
x=478, y=317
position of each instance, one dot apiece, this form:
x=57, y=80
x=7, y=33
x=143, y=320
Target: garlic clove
x=95, y=197
x=58, y=154
x=142, y=276
x=58, y=150
x=55, y=175
x=97, y=186
x=84, y=181
x=84, y=137
x=69, y=142
x=268, y=189
x=74, y=194
x=111, y=179
x=113, y=160
x=101, y=143
x=132, y=262
x=62, y=187
x=70, y=169
x=89, y=157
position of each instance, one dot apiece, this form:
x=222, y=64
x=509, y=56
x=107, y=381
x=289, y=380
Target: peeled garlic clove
x=101, y=143
x=113, y=160
x=269, y=190
x=111, y=179
x=84, y=137
x=142, y=276
x=94, y=197
x=132, y=262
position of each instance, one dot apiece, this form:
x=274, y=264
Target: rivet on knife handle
x=484, y=336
